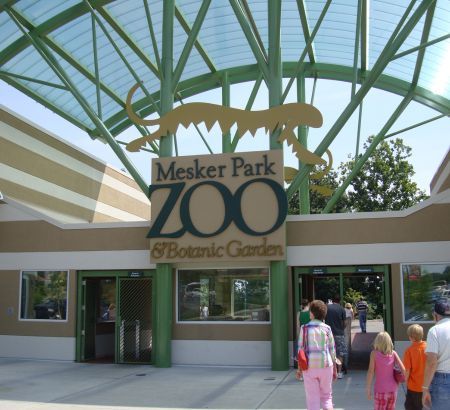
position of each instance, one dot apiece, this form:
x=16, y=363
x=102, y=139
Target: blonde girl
x=382, y=361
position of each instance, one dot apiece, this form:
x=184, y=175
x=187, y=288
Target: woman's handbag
x=302, y=358
x=398, y=374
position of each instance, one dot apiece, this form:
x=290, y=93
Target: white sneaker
x=340, y=375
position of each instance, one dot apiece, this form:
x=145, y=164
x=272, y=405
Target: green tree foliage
x=317, y=200
x=384, y=182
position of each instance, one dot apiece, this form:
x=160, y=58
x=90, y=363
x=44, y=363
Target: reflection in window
x=224, y=295
x=423, y=286
x=44, y=295
x=107, y=292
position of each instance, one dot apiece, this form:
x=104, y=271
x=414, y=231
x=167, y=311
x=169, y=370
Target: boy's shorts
x=413, y=400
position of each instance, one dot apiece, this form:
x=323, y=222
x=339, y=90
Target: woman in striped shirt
x=317, y=340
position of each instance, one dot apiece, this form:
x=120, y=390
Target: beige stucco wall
x=40, y=238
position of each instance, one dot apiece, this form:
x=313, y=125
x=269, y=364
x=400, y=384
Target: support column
x=303, y=193
x=164, y=280
x=278, y=271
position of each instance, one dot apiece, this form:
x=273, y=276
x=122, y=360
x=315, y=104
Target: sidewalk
x=48, y=385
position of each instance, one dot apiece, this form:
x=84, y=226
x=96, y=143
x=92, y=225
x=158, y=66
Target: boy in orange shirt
x=414, y=361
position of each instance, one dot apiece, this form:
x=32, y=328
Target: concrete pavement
x=49, y=385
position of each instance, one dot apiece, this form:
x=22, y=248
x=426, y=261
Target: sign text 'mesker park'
x=218, y=207
x=238, y=167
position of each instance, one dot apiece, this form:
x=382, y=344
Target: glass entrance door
x=349, y=283
x=134, y=324
x=114, y=316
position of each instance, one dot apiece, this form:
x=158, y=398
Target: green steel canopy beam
x=248, y=106
x=305, y=50
x=364, y=35
x=419, y=124
x=251, y=38
x=121, y=56
x=41, y=100
x=226, y=137
x=398, y=37
x=152, y=34
x=424, y=39
x=97, y=71
x=419, y=47
x=69, y=14
x=192, y=38
x=303, y=192
x=305, y=27
x=166, y=143
x=205, y=82
x=362, y=160
x=40, y=31
x=199, y=132
x=127, y=39
x=201, y=50
x=65, y=79
x=356, y=50
x=190, y=87
x=254, y=27
x=32, y=80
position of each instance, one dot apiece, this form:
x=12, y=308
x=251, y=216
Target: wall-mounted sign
x=135, y=274
x=318, y=270
x=218, y=207
x=364, y=269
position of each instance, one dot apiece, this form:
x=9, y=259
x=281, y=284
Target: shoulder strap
x=305, y=336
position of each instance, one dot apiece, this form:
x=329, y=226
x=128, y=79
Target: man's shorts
x=341, y=346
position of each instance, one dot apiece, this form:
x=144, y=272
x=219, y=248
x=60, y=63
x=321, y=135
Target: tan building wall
x=57, y=179
x=429, y=224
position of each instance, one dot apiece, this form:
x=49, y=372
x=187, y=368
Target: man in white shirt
x=436, y=380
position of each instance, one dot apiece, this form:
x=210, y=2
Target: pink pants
x=318, y=388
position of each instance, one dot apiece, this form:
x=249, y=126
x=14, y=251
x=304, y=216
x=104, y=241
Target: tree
x=384, y=182
x=318, y=200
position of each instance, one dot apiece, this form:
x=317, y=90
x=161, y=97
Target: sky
x=429, y=143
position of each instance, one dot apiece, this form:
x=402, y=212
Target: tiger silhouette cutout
x=285, y=117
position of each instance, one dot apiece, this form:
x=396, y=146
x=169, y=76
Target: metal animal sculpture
x=285, y=117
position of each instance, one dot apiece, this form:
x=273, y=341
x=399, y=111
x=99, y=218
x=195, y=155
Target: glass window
x=44, y=295
x=107, y=298
x=224, y=295
x=423, y=285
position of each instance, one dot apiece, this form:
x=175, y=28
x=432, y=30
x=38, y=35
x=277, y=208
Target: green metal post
x=278, y=270
x=164, y=282
x=303, y=197
x=226, y=137
x=387, y=301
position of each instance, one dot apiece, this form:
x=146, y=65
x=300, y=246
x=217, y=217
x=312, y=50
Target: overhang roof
x=104, y=47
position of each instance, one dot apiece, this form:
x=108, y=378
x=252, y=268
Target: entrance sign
x=218, y=207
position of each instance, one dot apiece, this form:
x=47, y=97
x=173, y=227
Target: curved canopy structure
x=80, y=58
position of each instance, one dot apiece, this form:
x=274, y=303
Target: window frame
x=221, y=322
x=19, y=310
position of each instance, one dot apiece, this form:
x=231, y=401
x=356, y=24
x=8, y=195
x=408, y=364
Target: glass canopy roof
x=80, y=58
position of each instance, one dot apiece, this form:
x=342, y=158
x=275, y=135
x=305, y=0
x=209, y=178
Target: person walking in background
x=335, y=318
x=436, y=381
x=414, y=361
x=381, y=365
x=349, y=316
x=302, y=319
x=362, y=308
x=319, y=345
x=303, y=315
